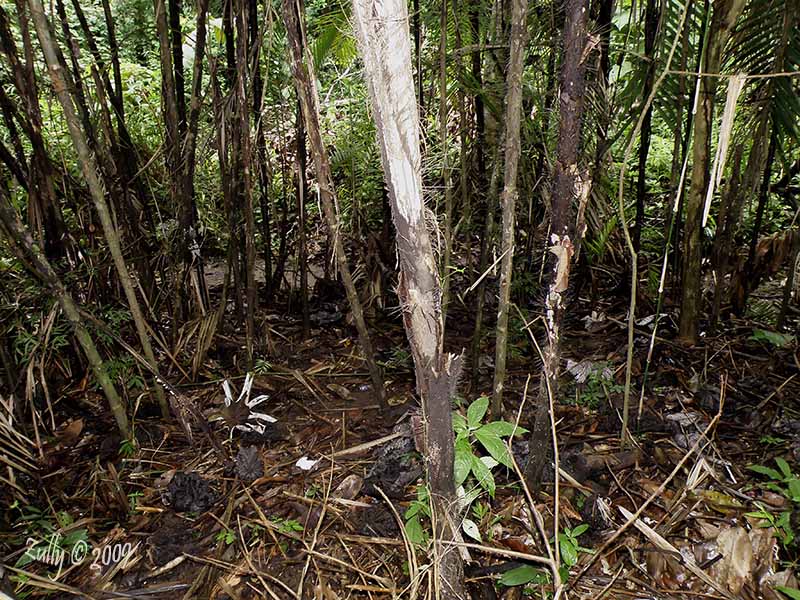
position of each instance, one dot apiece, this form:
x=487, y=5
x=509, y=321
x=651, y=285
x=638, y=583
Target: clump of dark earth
x=396, y=465
x=379, y=521
x=170, y=540
x=188, y=492
x=273, y=432
x=248, y=464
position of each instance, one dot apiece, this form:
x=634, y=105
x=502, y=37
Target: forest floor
x=311, y=507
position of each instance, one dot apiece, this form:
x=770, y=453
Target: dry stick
x=556, y=488
x=413, y=567
x=657, y=493
x=316, y=529
x=250, y=561
x=634, y=256
x=537, y=517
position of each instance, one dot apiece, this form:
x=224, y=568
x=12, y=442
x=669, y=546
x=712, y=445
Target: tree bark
x=518, y=37
x=383, y=35
x=725, y=14
x=305, y=83
x=569, y=183
x=243, y=108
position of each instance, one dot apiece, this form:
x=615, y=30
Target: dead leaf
x=736, y=566
x=349, y=488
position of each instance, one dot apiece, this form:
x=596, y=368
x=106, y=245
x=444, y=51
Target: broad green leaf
x=794, y=489
x=569, y=553
x=476, y=411
x=412, y=510
x=463, y=461
x=503, y=428
x=465, y=499
x=459, y=422
x=784, y=467
x=494, y=446
x=791, y=592
x=579, y=530
x=522, y=576
x=762, y=470
x=471, y=529
x=483, y=475
x=489, y=462
x=414, y=531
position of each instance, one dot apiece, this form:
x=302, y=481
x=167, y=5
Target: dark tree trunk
x=568, y=185
x=651, y=19
x=43, y=209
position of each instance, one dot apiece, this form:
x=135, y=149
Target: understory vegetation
x=444, y=300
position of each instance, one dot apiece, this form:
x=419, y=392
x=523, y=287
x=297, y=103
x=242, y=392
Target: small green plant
x=568, y=548
x=490, y=436
x=524, y=575
x=593, y=381
x=127, y=448
x=262, y=367
x=417, y=510
x=769, y=440
x=784, y=482
x=226, y=536
x=287, y=525
x=773, y=338
x=133, y=500
x=313, y=491
x=471, y=433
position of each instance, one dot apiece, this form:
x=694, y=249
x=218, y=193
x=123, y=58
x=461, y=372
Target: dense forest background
x=484, y=228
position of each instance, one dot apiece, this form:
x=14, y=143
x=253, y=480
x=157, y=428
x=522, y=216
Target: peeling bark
x=383, y=34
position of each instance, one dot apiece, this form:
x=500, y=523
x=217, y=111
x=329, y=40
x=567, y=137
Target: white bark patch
x=563, y=249
x=385, y=45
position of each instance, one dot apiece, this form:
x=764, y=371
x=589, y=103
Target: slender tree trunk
x=305, y=83
x=88, y=166
x=569, y=182
x=448, y=192
x=43, y=209
x=651, y=19
x=243, y=108
x=730, y=210
x=487, y=241
x=688, y=130
x=518, y=38
x=176, y=42
x=264, y=171
x=725, y=14
x=301, y=189
x=763, y=198
x=418, y=53
x=382, y=31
